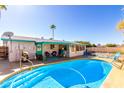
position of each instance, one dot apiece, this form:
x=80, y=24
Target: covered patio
x=50, y=51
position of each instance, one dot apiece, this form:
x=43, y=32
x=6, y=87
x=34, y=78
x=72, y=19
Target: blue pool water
x=70, y=74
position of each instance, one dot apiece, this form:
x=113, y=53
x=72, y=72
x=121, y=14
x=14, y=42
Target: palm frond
x=53, y=26
x=3, y=7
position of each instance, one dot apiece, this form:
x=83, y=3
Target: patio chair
x=117, y=55
x=24, y=56
x=104, y=55
x=87, y=53
x=47, y=54
x=54, y=53
x=114, y=57
x=120, y=61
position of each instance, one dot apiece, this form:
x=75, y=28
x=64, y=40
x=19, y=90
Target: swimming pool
x=71, y=74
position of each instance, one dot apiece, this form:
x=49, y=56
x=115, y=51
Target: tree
x=111, y=45
x=2, y=7
x=93, y=45
x=88, y=44
x=53, y=27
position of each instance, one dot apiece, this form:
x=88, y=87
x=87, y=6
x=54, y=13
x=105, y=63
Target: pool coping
x=101, y=86
x=107, y=60
x=40, y=65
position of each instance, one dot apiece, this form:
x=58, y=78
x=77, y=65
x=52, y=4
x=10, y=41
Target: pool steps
x=45, y=83
x=30, y=79
x=22, y=80
x=26, y=77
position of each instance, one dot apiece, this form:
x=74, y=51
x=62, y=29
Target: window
x=52, y=46
x=72, y=48
x=77, y=48
x=81, y=48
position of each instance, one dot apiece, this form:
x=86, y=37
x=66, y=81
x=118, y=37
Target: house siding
x=16, y=50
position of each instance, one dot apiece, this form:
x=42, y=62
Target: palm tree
x=2, y=7
x=53, y=27
x=120, y=25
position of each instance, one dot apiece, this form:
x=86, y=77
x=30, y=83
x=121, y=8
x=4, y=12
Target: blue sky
x=96, y=24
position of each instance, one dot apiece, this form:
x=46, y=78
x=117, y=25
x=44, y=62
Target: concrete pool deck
x=6, y=68
x=114, y=80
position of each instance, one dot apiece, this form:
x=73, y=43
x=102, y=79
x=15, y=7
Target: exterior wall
x=16, y=50
x=75, y=53
x=46, y=47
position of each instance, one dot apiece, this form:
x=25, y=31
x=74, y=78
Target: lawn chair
x=101, y=55
x=120, y=61
x=116, y=57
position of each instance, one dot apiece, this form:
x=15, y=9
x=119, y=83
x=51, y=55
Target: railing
x=27, y=60
x=11, y=86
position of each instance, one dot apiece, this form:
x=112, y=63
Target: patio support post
x=68, y=51
x=42, y=52
x=85, y=47
x=42, y=47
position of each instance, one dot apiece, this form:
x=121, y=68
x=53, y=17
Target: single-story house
x=39, y=47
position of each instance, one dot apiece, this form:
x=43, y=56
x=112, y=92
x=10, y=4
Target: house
x=39, y=47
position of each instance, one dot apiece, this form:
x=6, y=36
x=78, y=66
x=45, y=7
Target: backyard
x=37, y=51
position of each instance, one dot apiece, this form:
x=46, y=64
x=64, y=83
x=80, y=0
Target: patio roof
x=78, y=44
x=53, y=42
x=19, y=39
x=38, y=40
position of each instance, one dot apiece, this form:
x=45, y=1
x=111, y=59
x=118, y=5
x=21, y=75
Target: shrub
x=111, y=45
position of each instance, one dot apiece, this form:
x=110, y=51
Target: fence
x=106, y=49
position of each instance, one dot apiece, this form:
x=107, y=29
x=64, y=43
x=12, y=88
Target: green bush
x=111, y=45
x=88, y=44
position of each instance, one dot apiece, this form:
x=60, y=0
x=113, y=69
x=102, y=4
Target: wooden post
x=42, y=48
x=67, y=55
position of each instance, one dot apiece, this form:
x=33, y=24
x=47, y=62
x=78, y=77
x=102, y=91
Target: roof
x=47, y=41
x=30, y=39
x=36, y=40
x=19, y=38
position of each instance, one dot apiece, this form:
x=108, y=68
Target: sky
x=96, y=24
